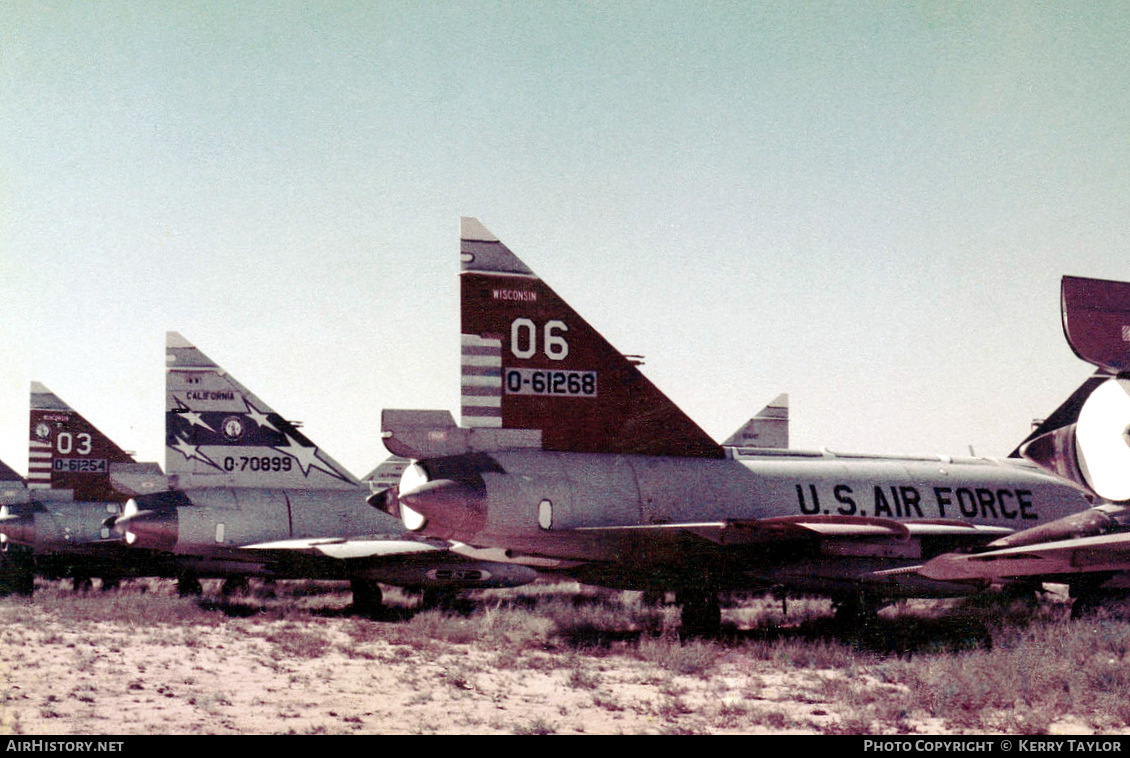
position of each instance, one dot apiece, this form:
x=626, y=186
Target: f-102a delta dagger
x=17, y=566
x=250, y=495
x=568, y=452
x=78, y=481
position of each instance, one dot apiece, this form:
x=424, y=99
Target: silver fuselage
x=219, y=519
x=210, y=531
x=568, y=506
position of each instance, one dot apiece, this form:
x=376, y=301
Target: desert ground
x=546, y=659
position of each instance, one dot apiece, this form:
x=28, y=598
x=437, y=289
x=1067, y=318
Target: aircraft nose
x=386, y=500
x=17, y=528
x=147, y=528
x=446, y=508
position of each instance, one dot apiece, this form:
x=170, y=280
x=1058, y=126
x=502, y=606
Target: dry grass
x=616, y=664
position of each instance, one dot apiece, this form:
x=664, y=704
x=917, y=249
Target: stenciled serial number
x=258, y=463
x=78, y=465
x=530, y=381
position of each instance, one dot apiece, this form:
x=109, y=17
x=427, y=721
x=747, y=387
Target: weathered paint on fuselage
x=55, y=524
x=213, y=530
x=220, y=519
x=989, y=492
x=65, y=537
x=541, y=503
x=69, y=525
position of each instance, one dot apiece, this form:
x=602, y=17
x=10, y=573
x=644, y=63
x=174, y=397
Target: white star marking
x=307, y=458
x=191, y=416
x=192, y=452
x=258, y=416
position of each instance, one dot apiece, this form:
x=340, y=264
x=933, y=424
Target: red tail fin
x=65, y=451
x=531, y=362
x=1096, y=321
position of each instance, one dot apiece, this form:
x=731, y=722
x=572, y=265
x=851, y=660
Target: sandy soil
x=156, y=664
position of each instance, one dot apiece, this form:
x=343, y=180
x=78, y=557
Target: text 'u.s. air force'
x=906, y=501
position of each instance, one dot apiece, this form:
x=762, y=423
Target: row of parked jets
x=568, y=460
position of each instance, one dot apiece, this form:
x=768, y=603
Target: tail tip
x=472, y=229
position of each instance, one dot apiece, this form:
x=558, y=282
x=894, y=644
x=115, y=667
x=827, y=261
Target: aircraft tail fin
x=1094, y=451
x=13, y=490
x=67, y=452
x=218, y=434
x=1096, y=321
x=8, y=475
x=768, y=429
x=529, y=361
x=386, y=474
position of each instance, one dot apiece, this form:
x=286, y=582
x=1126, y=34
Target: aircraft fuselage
x=219, y=519
x=609, y=511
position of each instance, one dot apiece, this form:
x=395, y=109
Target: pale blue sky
x=868, y=205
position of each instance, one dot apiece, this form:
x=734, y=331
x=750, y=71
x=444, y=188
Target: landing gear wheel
x=855, y=611
x=701, y=614
x=16, y=581
x=82, y=583
x=1086, y=601
x=1027, y=592
x=234, y=585
x=1084, y=605
x=23, y=583
x=111, y=583
x=1088, y=597
x=367, y=597
x=17, y=572
x=189, y=586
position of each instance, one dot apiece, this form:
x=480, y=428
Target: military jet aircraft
x=17, y=571
x=62, y=515
x=250, y=495
x=568, y=452
x=1085, y=443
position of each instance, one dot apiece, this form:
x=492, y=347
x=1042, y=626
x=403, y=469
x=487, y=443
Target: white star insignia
x=307, y=458
x=192, y=452
x=191, y=416
x=258, y=416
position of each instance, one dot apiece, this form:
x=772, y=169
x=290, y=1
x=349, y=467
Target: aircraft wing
x=748, y=532
x=1096, y=554
x=404, y=563
x=343, y=549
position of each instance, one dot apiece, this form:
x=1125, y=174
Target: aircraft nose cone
x=447, y=509
x=17, y=528
x=386, y=500
x=150, y=529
